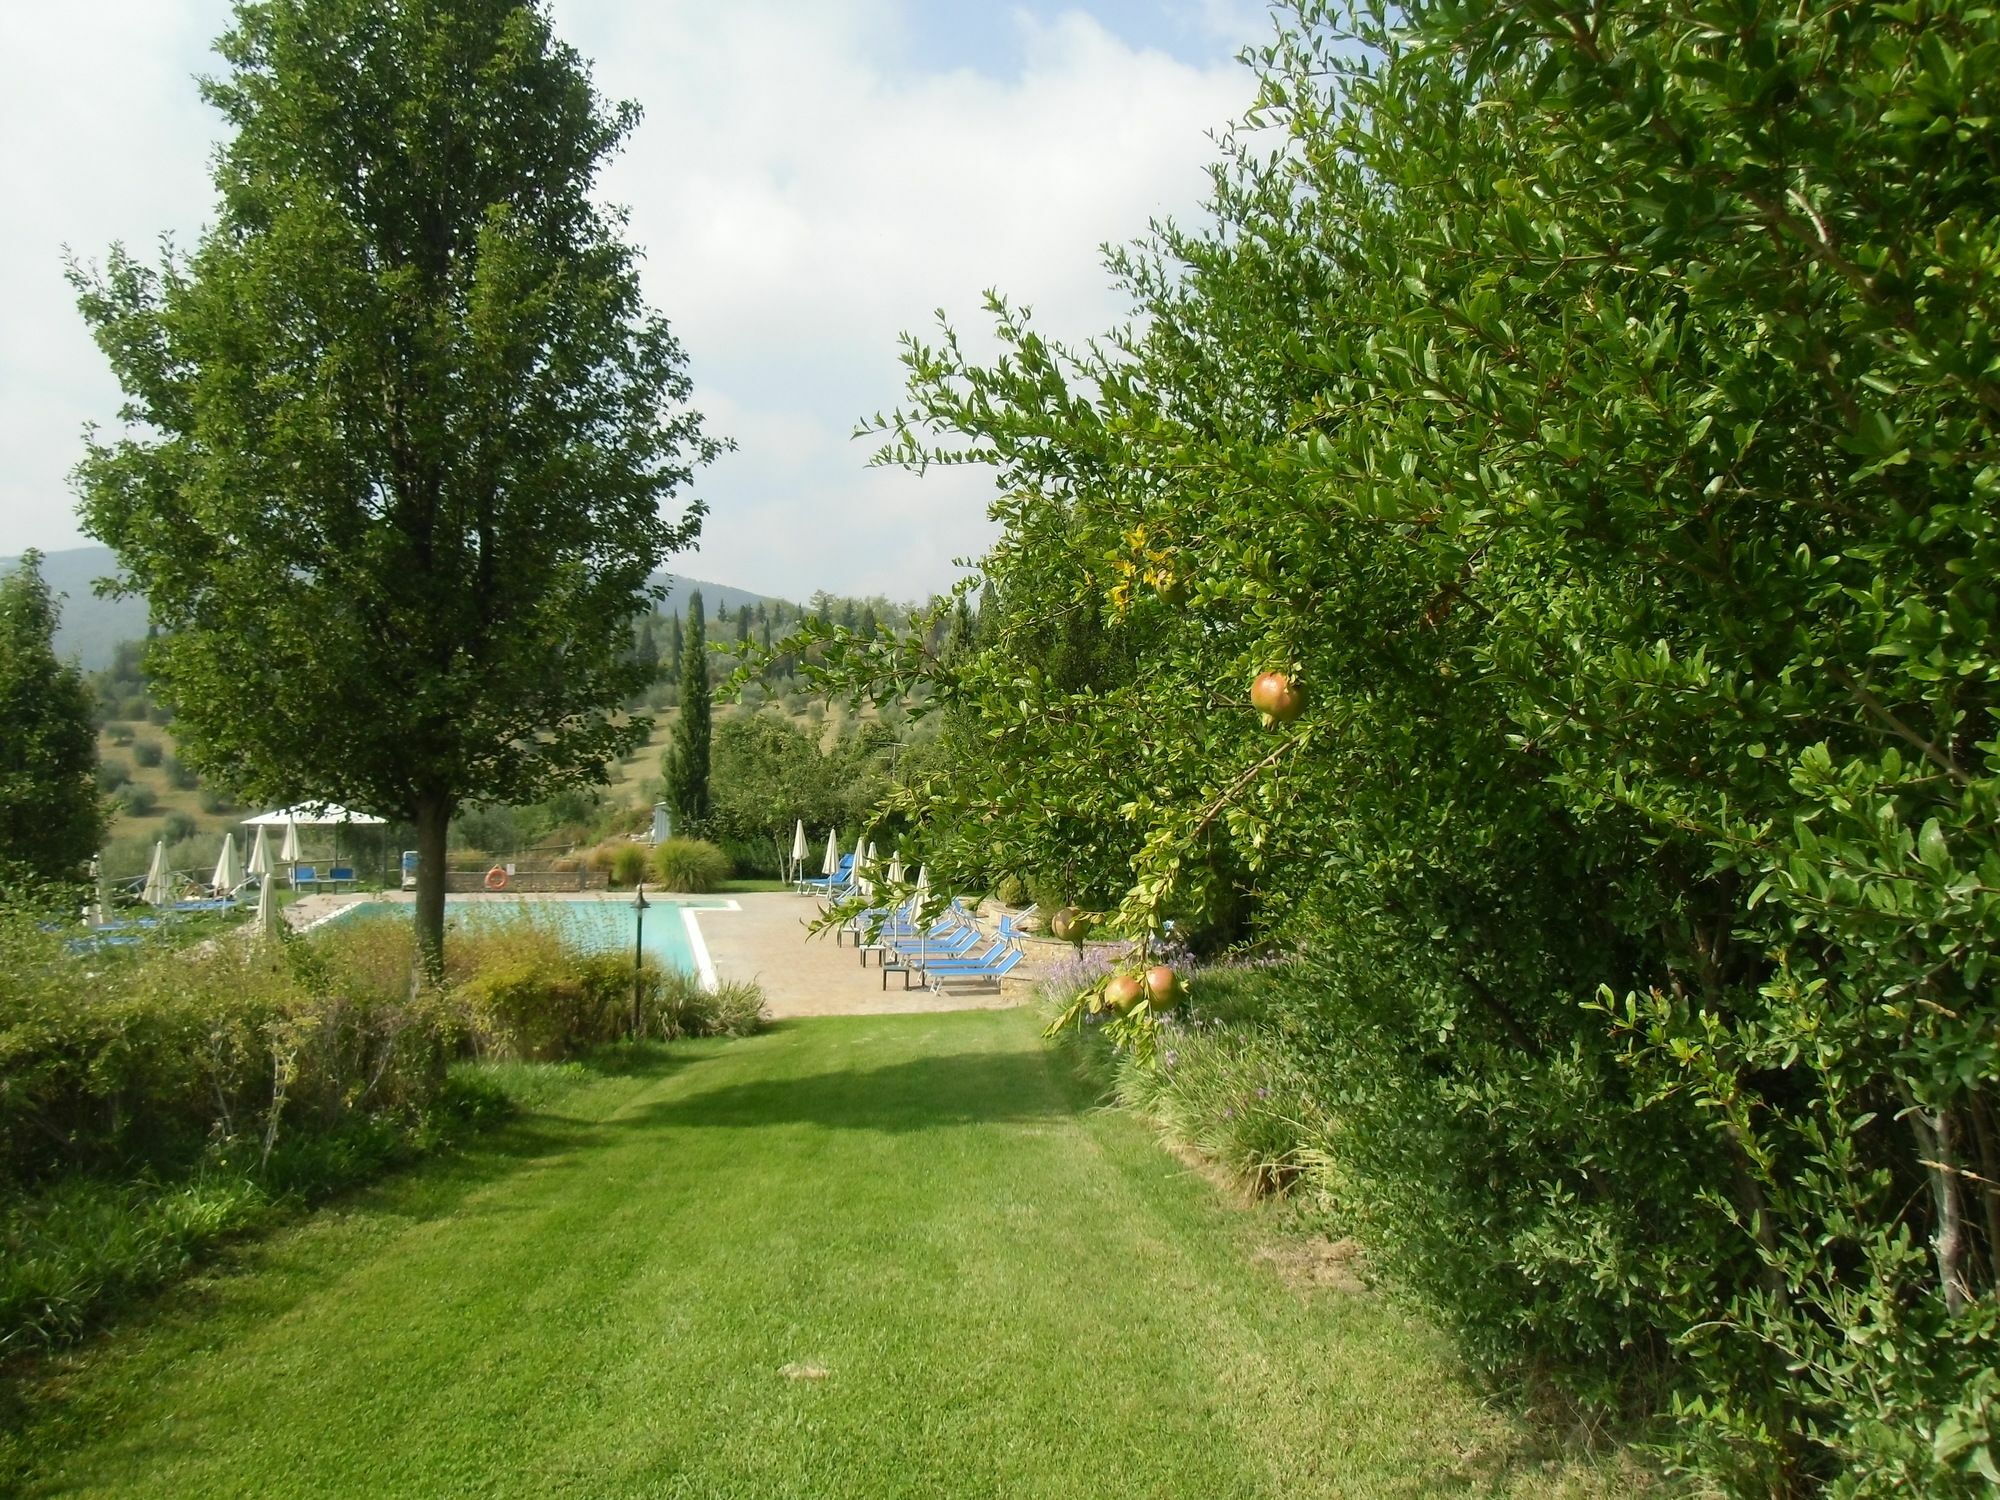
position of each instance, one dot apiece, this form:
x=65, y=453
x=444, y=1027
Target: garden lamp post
x=639, y=905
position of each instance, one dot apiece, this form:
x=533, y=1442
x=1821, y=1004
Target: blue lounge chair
x=871, y=928
x=100, y=940
x=910, y=956
x=999, y=956
x=305, y=875
x=937, y=976
x=839, y=881
x=341, y=875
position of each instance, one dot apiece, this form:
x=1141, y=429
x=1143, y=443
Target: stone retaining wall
x=529, y=882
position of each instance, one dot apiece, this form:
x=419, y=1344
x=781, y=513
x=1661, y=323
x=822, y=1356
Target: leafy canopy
x=398, y=433
x=51, y=817
x=1594, y=408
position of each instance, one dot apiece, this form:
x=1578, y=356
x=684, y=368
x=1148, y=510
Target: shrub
x=682, y=1008
x=212, y=801
x=118, y=734
x=133, y=708
x=752, y=856
x=156, y=1100
x=112, y=774
x=178, y=826
x=139, y=801
x=155, y=1057
x=490, y=826
x=627, y=863
x=159, y=713
x=692, y=865
x=181, y=775
x=147, y=752
x=1010, y=890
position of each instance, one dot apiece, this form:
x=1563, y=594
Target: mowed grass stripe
x=1011, y=1292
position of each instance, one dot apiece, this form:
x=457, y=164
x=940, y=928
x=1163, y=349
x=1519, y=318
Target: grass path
x=1010, y=1292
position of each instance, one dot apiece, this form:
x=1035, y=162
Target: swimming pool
x=671, y=935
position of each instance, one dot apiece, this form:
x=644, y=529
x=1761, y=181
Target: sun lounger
x=937, y=976
x=304, y=876
x=987, y=967
x=836, y=883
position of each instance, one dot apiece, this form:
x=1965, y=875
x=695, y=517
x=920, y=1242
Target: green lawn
x=1010, y=1291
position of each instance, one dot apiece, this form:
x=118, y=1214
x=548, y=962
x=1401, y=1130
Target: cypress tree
x=51, y=818
x=685, y=764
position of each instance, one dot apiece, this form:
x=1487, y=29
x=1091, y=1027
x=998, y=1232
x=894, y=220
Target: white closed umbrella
x=896, y=869
x=288, y=851
x=799, y=845
x=228, y=867
x=267, y=906
x=871, y=851
x=832, y=860
x=260, y=853
x=158, y=892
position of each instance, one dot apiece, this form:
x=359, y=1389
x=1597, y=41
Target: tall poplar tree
x=400, y=430
x=51, y=818
x=685, y=764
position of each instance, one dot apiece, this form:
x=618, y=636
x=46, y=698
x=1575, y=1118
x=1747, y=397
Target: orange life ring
x=496, y=879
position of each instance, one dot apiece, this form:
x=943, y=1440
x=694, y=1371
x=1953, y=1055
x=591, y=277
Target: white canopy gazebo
x=313, y=815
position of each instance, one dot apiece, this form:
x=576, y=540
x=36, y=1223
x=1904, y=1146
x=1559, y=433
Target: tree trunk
x=433, y=820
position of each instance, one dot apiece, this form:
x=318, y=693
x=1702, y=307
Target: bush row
x=154, y=1099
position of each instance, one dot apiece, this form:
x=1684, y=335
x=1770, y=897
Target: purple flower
x=1172, y=1058
x=1229, y=1114
x=1263, y=1093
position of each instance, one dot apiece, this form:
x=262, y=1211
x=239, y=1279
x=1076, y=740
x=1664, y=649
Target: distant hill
x=91, y=628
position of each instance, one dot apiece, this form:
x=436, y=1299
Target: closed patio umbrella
x=288, y=851
x=832, y=860
x=228, y=867
x=798, y=848
x=267, y=905
x=896, y=869
x=260, y=854
x=159, y=889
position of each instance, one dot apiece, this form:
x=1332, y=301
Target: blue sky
x=812, y=177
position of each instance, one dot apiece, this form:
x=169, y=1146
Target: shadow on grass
x=953, y=1088
x=259, y=1275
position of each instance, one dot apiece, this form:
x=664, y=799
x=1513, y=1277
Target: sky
x=811, y=179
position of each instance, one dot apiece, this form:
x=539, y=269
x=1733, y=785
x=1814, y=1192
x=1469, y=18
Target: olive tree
x=399, y=431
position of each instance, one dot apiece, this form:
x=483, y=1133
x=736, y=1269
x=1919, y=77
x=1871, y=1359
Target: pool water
x=594, y=925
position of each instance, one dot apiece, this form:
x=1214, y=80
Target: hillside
x=92, y=627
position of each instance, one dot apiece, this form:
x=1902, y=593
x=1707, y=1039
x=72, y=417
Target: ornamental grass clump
x=692, y=866
x=628, y=864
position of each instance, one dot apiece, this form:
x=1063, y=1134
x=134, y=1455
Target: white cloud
x=802, y=196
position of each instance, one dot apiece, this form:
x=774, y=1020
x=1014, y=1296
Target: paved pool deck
x=765, y=940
